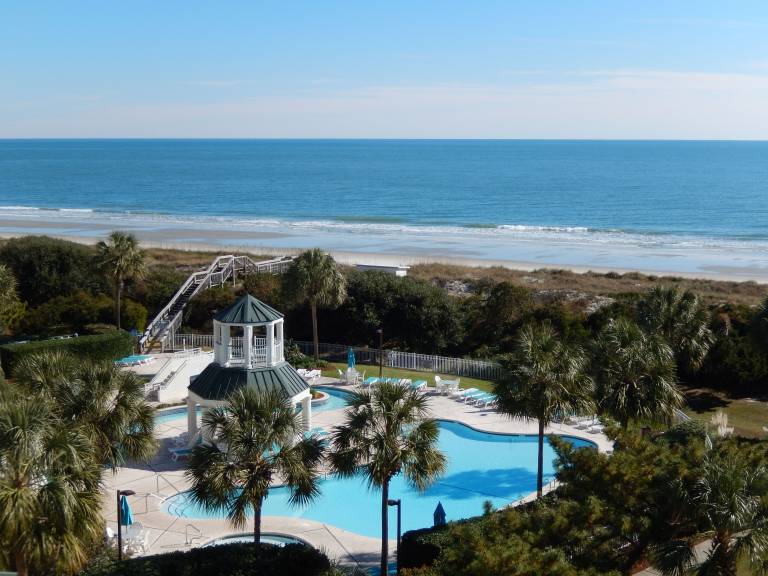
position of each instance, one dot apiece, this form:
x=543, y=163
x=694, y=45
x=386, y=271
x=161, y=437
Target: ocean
x=667, y=206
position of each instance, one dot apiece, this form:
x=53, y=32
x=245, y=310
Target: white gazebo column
x=247, y=345
x=279, y=339
x=306, y=411
x=271, y=344
x=191, y=418
x=226, y=352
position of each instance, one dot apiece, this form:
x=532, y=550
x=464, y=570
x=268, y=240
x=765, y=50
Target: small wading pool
x=266, y=538
x=499, y=468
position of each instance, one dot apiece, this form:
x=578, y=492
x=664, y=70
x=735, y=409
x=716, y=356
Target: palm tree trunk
x=118, y=298
x=21, y=563
x=257, y=522
x=540, y=474
x=384, y=527
x=315, y=339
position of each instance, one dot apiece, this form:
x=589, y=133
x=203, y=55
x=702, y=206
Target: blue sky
x=480, y=69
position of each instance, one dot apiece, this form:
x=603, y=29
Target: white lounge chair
x=471, y=397
x=459, y=394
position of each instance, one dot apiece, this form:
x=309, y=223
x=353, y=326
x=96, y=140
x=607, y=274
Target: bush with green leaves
x=224, y=560
x=46, y=268
x=108, y=346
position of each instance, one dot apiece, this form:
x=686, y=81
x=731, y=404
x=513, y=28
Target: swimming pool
x=499, y=468
x=266, y=538
x=337, y=399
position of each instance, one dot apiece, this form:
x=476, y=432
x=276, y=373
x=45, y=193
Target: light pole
x=397, y=503
x=120, y=523
x=380, y=332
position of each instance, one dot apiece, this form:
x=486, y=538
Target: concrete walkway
x=162, y=478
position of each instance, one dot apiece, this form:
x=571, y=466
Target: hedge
x=224, y=560
x=108, y=346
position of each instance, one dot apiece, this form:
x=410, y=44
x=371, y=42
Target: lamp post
x=397, y=503
x=120, y=523
x=380, y=332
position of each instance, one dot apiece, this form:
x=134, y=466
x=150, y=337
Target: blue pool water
x=173, y=415
x=481, y=467
x=336, y=399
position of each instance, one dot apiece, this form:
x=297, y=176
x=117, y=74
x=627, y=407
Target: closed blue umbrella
x=351, y=358
x=439, y=515
x=126, y=516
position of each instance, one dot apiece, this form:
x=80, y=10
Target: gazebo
x=247, y=352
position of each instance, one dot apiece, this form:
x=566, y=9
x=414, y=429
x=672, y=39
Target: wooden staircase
x=222, y=269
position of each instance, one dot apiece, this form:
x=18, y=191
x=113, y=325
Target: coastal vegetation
x=122, y=259
x=387, y=431
x=253, y=439
x=646, y=505
x=63, y=420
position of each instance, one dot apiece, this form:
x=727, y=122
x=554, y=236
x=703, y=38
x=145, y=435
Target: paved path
x=163, y=478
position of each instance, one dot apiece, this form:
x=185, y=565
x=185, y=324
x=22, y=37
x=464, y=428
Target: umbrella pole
x=119, y=530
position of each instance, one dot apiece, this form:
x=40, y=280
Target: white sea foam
x=503, y=233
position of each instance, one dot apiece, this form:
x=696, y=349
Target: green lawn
x=371, y=370
x=747, y=416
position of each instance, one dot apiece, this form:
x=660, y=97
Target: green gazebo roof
x=248, y=310
x=217, y=382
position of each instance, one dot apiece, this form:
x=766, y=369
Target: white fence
x=485, y=369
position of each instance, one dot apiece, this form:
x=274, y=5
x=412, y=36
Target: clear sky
x=412, y=69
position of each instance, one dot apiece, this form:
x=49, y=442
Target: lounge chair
x=586, y=424
x=470, y=397
x=596, y=429
x=180, y=454
x=477, y=399
x=459, y=394
x=418, y=385
x=487, y=401
x=370, y=381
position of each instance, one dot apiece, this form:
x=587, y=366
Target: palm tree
x=544, y=378
x=635, y=374
x=388, y=431
x=682, y=320
x=123, y=260
x=104, y=402
x=727, y=502
x=253, y=440
x=50, y=505
x=314, y=278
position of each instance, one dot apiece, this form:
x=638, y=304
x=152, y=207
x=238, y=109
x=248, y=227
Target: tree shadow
x=701, y=401
x=506, y=483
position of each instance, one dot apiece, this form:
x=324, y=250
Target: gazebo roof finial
x=248, y=310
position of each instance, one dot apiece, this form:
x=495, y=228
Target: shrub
x=47, y=267
x=225, y=560
x=66, y=314
x=108, y=346
x=133, y=316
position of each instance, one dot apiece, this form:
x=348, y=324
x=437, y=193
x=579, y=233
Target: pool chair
x=471, y=397
x=316, y=432
x=588, y=423
x=477, y=400
x=488, y=402
x=459, y=393
x=418, y=385
x=180, y=454
x=342, y=376
x=596, y=429
x=370, y=381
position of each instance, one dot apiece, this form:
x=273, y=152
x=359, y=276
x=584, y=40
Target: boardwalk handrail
x=219, y=271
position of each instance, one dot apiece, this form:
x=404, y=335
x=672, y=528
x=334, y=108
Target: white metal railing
x=485, y=369
x=681, y=416
x=236, y=355
x=167, y=322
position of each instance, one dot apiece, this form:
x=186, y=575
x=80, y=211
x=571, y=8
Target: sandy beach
x=372, y=249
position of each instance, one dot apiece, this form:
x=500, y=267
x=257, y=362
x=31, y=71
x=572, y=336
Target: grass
x=371, y=370
x=746, y=415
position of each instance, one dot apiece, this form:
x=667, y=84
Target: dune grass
x=371, y=370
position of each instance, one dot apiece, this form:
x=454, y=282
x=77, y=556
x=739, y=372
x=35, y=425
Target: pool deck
x=161, y=478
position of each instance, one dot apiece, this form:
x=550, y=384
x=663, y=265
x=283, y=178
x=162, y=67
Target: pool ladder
x=197, y=534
